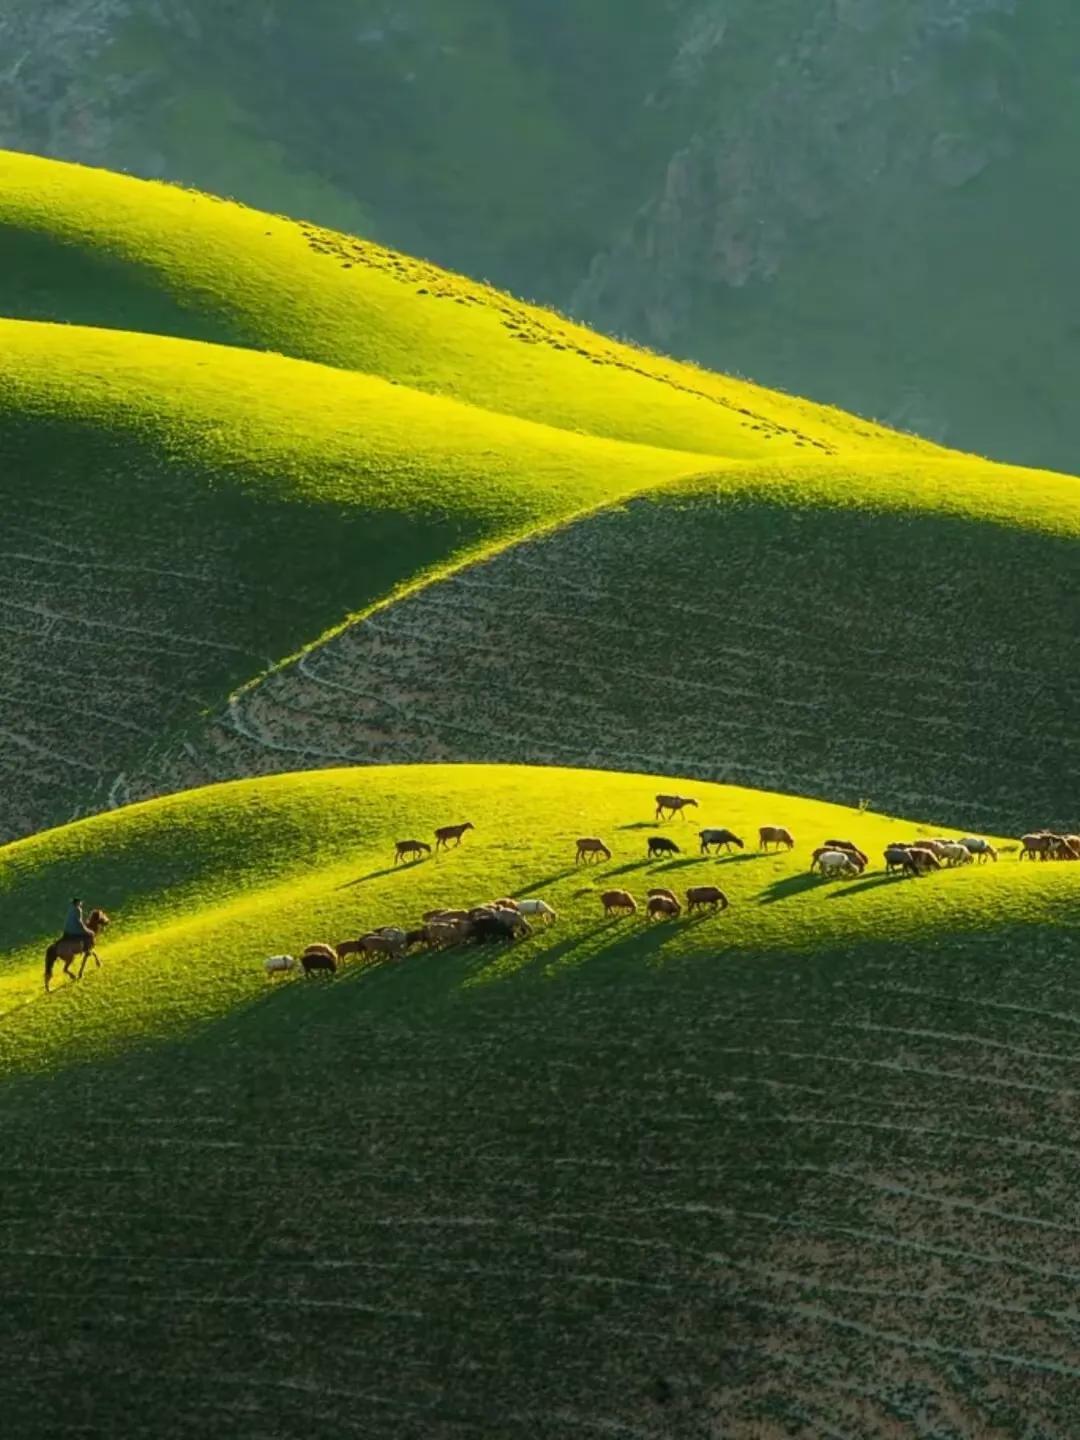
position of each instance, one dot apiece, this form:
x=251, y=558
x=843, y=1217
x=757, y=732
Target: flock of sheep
x=508, y=919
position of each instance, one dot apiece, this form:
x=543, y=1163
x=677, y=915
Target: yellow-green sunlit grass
x=204, y=885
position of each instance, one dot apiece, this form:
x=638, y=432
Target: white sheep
x=537, y=907
x=279, y=964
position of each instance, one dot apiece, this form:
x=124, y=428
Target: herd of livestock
x=507, y=919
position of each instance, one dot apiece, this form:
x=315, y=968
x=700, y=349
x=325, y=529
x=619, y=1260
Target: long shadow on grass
x=387, y=870
x=789, y=886
x=862, y=885
x=523, y=890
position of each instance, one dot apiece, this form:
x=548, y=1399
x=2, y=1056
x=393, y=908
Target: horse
x=405, y=848
x=725, y=838
x=446, y=833
x=661, y=845
x=775, y=835
x=591, y=846
x=68, y=946
x=675, y=803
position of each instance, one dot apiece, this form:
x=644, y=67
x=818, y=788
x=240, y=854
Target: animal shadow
x=789, y=886
x=387, y=870
x=523, y=890
x=869, y=884
x=681, y=862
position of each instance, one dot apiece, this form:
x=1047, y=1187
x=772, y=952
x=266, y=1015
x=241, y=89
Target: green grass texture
x=87, y=246
x=802, y=1161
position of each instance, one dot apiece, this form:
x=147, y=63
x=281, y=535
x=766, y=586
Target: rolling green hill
x=803, y=1166
x=887, y=630
x=100, y=249
x=181, y=516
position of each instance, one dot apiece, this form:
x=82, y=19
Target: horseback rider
x=76, y=928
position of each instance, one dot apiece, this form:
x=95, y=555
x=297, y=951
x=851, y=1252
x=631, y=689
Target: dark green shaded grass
x=392, y=1205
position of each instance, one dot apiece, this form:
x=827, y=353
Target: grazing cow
x=775, y=835
x=318, y=957
x=446, y=833
x=659, y=907
x=618, y=902
x=675, y=803
x=404, y=849
x=981, y=849
x=699, y=895
x=414, y=937
x=540, y=909
x=833, y=863
x=590, y=849
x=953, y=853
x=924, y=860
x=661, y=890
x=279, y=964
x=661, y=845
x=719, y=838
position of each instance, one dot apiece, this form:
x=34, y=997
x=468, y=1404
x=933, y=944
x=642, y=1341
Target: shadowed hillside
x=895, y=633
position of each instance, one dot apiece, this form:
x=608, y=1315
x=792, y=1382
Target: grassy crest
x=103, y=249
x=823, y=1136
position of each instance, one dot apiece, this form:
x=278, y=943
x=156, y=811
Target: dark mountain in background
x=871, y=202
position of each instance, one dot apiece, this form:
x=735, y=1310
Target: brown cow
x=775, y=835
x=446, y=833
x=405, y=848
x=590, y=846
x=660, y=907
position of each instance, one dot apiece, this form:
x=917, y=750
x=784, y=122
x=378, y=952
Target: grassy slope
x=192, y=264
x=897, y=631
x=180, y=516
x=818, y=1139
